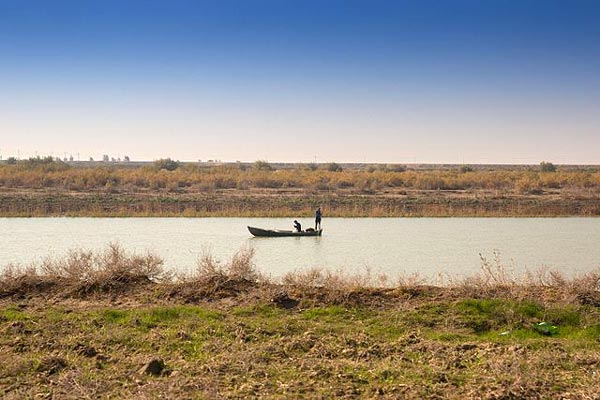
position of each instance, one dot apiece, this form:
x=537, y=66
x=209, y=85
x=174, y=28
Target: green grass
x=165, y=316
x=12, y=313
x=333, y=313
x=260, y=309
x=114, y=316
x=430, y=349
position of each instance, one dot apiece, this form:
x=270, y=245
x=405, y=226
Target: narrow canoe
x=277, y=233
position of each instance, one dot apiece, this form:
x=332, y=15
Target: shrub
x=395, y=168
x=261, y=165
x=333, y=167
x=84, y=271
x=240, y=267
x=547, y=167
x=167, y=164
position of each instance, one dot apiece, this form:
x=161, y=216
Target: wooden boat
x=277, y=233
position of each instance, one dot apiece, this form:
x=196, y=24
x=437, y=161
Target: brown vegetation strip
x=227, y=204
x=42, y=187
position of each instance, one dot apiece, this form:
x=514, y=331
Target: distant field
x=41, y=187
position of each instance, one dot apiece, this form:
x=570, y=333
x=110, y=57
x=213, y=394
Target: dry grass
x=41, y=189
x=83, y=273
x=213, y=279
x=86, y=326
x=194, y=178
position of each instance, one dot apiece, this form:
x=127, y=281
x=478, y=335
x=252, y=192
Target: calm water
x=429, y=246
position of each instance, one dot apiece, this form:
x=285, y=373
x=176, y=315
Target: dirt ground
x=234, y=338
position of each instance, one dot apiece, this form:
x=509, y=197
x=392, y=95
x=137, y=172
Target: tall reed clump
x=214, y=279
x=18, y=280
x=240, y=267
x=496, y=280
x=83, y=272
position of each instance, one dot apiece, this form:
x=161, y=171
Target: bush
x=240, y=267
x=167, y=164
x=547, y=167
x=334, y=167
x=312, y=166
x=82, y=272
x=262, y=165
x=44, y=164
x=395, y=168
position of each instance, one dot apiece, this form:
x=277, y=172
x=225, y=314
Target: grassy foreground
x=115, y=325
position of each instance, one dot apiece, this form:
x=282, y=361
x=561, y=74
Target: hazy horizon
x=497, y=82
x=119, y=159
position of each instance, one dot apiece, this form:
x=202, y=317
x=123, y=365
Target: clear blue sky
x=477, y=81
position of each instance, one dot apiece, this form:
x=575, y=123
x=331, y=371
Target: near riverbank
x=117, y=325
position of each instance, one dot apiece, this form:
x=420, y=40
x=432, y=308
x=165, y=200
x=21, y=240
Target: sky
x=470, y=81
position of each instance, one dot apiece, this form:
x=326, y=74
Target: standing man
x=318, y=219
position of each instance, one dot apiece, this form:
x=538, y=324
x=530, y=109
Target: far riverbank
x=295, y=203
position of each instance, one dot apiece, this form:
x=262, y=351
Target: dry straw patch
x=116, y=271
x=179, y=177
x=83, y=271
x=496, y=280
x=215, y=279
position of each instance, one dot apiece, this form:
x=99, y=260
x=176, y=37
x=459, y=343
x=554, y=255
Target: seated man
x=297, y=226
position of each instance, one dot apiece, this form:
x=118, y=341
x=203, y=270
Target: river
x=430, y=247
